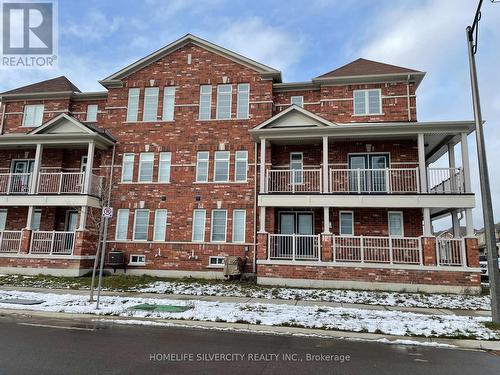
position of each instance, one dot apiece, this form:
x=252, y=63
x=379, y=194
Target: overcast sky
x=303, y=39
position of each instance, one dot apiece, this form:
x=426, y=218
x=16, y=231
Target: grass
x=492, y=325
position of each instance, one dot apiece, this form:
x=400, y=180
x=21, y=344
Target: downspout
x=408, y=97
x=255, y=208
x=2, y=105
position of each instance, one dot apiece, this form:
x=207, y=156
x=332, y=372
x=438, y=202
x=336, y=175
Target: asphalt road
x=50, y=346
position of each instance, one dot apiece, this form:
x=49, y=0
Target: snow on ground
x=444, y=301
x=329, y=318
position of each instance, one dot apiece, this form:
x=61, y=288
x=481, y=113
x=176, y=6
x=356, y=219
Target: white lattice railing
x=52, y=242
x=388, y=180
x=15, y=183
x=293, y=181
x=445, y=180
x=294, y=246
x=61, y=183
x=10, y=241
x=450, y=251
x=372, y=249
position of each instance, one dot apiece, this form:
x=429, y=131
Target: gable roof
x=361, y=67
x=58, y=84
x=294, y=117
x=265, y=70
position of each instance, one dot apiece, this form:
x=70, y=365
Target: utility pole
x=489, y=225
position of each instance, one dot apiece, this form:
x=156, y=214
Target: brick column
x=429, y=251
x=25, y=241
x=85, y=243
x=326, y=248
x=261, y=246
x=472, y=251
x=79, y=241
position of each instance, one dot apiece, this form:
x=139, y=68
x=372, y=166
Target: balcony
x=364, y=249
x=49, y=183
x=365, y=181
x=42, y=242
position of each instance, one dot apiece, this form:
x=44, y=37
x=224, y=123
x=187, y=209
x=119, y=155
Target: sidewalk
x=418, y=310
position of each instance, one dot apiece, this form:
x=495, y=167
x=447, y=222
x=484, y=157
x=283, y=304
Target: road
x=55, y=346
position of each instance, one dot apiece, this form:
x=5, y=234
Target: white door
x=20, y=179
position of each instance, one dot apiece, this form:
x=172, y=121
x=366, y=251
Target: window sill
x=144, y=183
x=224, y=119
x=136, y=264
x=368, y=115
x=147, y=122
x=220, y=182
x=218, y=266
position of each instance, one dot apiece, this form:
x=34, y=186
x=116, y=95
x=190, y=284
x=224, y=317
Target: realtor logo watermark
x=29, y=34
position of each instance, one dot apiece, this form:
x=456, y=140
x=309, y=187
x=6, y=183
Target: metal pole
x=489, y=232
x=103, y=251
x=96, y=261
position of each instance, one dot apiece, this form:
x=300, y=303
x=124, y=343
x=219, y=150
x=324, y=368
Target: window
x=243, y=100
x=3, y=219
x=221, y=167
x=37, y=219
x=346, y=223
x=224, y=102
x=297, y=100
x=141, y=223
x=160, y=225
x=241, y=166
x=297, y=166
x=216, y=261
x=33, y=115
x=91, y=113
x=239, y=220
x=137, y=260
x=128, y=167
x=202, y=166
x=219, y=218
x=150, y=104
x=199, y=225
x=121, y=224
x=133, y=104
x=164, y=167
x=367, y=102
x=168, y=103
x=396, y=224
x=205, y=102
x=146, y=161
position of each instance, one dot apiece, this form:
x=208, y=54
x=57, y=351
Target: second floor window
x=33, y=115
x=91, y=113
x=160, y=226
x=199, y=225
x=224, y=100
x=297, y=100
x=133, y=104
x=146, y=162
x=141, y=225
x=168, y=103
x=367, y=102
x=205, y=102
x=346, y=223
x=121, y=224
x=128, y=168
x=241, y=166
x=219, y=218
x=202, y=166
x=150, y=104
x=395, y=224
x=164, y=167
x=243, y=100
x=221, y=167
x=239, y=219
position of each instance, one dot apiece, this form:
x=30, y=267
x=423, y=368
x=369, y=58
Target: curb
x=261, y=329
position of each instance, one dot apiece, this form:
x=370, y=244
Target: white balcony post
x=325, y=164
x=88, y=169
x=29, y=219
x=465, y=163
x=427, y=222
x=326, y=220
x=262, y=220
x=262, y=165
x=361, y=249
x=83, y=218
x=421, y=163
x=36, y=168
x=469, y=227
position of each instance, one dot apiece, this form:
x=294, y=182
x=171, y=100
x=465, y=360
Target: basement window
x=137, y=260
x=216, y=262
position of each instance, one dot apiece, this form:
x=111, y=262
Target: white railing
x=371, y=249
x=294, y=246
x=450, y=251
x=96, y=185
x=387, y=180
x=15, y=183
x=61, y=183
x=445, y=180
x=294, y=181
x=52, y=242
x=10, y=241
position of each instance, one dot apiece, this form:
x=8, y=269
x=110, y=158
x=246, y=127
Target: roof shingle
x=58, y=84
x=362, y=67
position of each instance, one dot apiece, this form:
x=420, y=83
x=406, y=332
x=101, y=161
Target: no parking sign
x=107, y=212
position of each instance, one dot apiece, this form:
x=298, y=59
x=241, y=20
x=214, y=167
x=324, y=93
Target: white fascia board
x=49, y=200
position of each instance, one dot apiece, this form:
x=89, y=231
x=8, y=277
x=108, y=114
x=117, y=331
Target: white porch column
x=36, y=168
x=90, y=164
x=263, y=165
x=29, y=219
x=421, y=163
x=469, y=226
x=455, y=223
x=326, y=220
x=427, y=222
x=465, y=163
x=262, y=220
x=454, y=213
x=83, y=218
x=325, y=164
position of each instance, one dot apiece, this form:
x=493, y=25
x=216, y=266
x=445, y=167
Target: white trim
x=153, y=96
x=209, y=94
x=117, y=223
x=367, y=104
x=217, y=265
x=238, y=92
x=36, y=108
x=293, y=107
x=400, y=213
x=135, y=106
x=204, y=225
x=168, y=161
x=87, y=112
x=137, y=263
x=123, y=164
x=230, y=101
x=197, y=166
x=156, y=221
x=295, y=97
x=135, y=223
x=212, y=225
x=223, y=160
x=166, y=96
x=240, y=160
x=141, y=155
x=340, y=223
x=244, y=224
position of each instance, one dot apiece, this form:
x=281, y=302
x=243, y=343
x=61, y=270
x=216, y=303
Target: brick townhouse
x=207, y=153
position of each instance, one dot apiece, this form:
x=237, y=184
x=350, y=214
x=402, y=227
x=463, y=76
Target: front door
x=20, y=179
x=300, y=224
x=71, y=225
